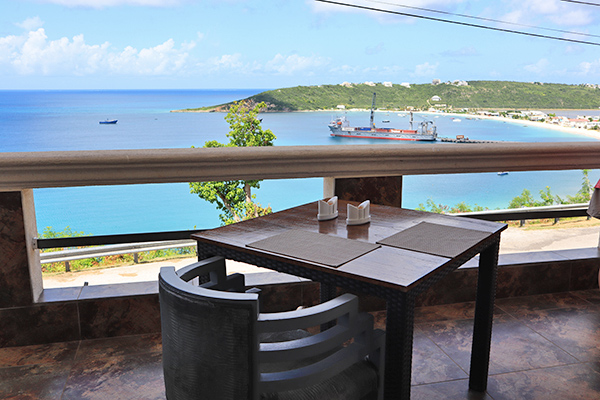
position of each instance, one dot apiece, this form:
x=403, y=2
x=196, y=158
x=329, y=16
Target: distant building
x=341, y=107
x=368, y=83
x=578, y=122
x=387, y=84
x=436, y=98
x=436, y=82
x=405, y=84
x=346, y=84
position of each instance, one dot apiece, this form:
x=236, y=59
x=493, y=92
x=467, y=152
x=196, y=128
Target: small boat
x=503, y=173
x=340, y=127
x=109, y=121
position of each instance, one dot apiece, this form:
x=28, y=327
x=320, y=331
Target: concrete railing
x=20, y=171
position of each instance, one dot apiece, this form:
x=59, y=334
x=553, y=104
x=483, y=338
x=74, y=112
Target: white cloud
x=34, y=53
x=539, y=67
x=288, y=65
x=555, y=11
x=230, y=62
x=425, y=69
x=31, y=24
x=589, y=68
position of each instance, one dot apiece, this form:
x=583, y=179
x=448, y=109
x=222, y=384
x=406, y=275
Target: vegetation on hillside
x=475, y=95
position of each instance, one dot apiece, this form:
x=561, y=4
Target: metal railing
x=137, y=243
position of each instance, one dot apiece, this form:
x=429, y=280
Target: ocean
x=68, y=120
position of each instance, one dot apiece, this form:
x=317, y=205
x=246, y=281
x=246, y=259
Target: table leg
x=484, y=314
x=399, y=344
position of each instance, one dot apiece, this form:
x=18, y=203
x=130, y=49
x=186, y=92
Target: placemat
x=436, y=239
x=315, y=247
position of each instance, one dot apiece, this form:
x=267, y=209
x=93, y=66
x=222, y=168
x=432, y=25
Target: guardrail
x=146, y=241
x=525, y=213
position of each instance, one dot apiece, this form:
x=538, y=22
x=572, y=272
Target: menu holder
x=436, y=239
x=314, y=247
x=328, y=209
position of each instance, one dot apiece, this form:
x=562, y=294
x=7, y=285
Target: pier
x=459, y=139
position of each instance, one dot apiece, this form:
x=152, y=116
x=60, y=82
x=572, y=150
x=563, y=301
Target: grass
x=563, y=223
x=120, y=260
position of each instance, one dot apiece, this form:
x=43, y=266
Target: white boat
x=340, y=127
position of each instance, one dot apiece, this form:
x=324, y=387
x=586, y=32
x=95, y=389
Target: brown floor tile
x=447, y=312
x=572, y=382
x=575, y=330
x=524, y=305
x=515, y=347
x=592, y=296
x=430, y=364
x=38, y=354
x=119, y=346
x=455, y=390
x=40, y=382
x=134, y=377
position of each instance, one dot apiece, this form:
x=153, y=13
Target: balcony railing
x=119, y=167
x=25, y=171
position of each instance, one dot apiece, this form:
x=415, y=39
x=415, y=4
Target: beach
x=576, y=131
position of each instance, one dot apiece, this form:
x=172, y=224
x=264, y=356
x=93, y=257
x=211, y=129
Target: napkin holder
x=328, y=209
x=359, y=215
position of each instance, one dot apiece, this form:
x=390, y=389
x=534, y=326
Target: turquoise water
x=68, y=120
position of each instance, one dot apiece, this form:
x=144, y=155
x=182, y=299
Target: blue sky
x=210, y=44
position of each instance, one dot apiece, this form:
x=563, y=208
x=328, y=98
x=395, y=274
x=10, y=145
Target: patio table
x=396, y=256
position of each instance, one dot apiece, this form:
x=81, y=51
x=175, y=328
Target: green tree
x=548, y=198
x=235, y=198
x=432, y=207
x=585, y=193
x=524, y=200
x=463, y=207
x=50, y=233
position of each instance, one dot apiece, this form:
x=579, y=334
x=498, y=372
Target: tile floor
x=544, y=347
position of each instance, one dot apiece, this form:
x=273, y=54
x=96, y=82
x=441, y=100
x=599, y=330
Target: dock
x=466, y=140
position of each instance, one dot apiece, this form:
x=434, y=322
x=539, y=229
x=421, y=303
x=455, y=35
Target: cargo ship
x=340, y=127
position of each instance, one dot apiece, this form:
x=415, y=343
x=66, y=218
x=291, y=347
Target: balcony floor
x=544, y=347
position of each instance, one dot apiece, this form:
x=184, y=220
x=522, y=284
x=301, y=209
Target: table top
x=398, y=248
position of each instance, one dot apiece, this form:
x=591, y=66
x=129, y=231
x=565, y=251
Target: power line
x=587, y=3
x=460, y=23
x=483, y=18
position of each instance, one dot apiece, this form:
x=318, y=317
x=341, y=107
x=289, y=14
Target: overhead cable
x=459, y=23
x=483, y=18
x=587, y=3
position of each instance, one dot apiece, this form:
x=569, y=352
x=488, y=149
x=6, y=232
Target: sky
x=266, y=44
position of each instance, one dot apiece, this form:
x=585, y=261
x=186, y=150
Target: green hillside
x=477, y=94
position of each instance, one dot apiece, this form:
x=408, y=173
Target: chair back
x=216, y=361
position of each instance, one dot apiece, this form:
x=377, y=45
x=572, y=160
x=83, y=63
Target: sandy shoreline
x=576, y=131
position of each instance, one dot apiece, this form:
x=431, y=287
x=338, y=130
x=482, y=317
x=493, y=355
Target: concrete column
x=20, y=271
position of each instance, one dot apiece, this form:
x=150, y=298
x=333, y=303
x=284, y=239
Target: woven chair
x=216, y=344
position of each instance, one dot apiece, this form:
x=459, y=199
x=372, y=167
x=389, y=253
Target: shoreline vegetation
x=458, y=98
